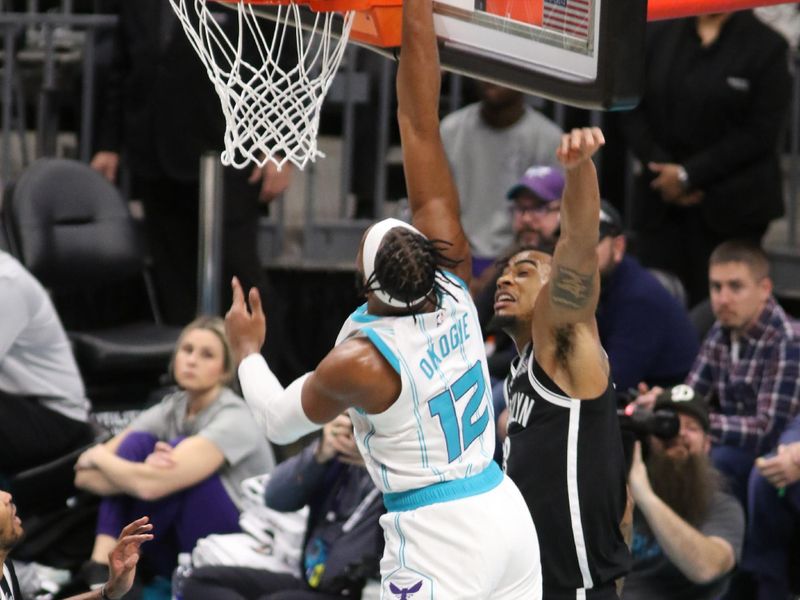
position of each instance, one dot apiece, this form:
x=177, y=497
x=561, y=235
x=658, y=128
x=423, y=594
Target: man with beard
x=564, y=446
x=121, y=560
x=688, y=532
x=645, y=331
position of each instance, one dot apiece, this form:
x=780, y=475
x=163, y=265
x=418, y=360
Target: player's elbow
x=713, y=568
x=281, y=438
x=704, y=575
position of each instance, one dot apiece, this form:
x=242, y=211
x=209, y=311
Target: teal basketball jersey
x=441, y=427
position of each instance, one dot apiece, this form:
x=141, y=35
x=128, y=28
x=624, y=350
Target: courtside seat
x=72, y=229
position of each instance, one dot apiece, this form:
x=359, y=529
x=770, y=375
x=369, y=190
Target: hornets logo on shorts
x=407, y=584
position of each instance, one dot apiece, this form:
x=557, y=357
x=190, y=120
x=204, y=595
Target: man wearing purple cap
x=535, y=207
x=536, y=203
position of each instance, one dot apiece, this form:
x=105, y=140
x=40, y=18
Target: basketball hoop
x=271, y=109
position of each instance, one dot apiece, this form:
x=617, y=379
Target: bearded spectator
x=687, y=531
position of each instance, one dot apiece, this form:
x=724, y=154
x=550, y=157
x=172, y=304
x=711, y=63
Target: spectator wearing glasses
x=535, y=206
x=535, y=202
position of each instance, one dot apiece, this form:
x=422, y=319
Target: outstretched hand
x=246, y=328
x=338, y=441
x=123, y=558
x=578, y=146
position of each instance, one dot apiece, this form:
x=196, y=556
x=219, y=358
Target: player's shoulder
x=354, y=362
x=357, y=373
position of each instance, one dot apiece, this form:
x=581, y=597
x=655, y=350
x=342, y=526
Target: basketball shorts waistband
x=486, y=480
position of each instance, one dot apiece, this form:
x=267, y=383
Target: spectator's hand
x=647, y=396
x=783, y=469
x=578, y=146
x=689, y=199
x=338, y=441
x=161, y=456
x=107, y=164
x=273, y=182
x=123, y=558
x=87, y=459
x=246, y=329
x=666, y=181
x=638, y=480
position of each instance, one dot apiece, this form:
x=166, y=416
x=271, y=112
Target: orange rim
x=377, y=22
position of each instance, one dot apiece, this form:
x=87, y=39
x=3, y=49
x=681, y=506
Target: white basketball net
x=271, y=110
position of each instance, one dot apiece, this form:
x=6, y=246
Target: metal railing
x=14, y=26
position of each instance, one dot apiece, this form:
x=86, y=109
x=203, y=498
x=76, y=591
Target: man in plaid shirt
x=748, y=367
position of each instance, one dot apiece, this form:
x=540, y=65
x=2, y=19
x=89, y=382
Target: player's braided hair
x=407, y=267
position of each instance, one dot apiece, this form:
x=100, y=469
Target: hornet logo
x=405, y=593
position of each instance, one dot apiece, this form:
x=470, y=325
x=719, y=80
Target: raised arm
x=352, y=374
x=564, y=328
x=432, y=192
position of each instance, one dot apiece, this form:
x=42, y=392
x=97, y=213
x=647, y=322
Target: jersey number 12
x=459, y=435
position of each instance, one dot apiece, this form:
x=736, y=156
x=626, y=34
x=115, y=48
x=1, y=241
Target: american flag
x=568, y=16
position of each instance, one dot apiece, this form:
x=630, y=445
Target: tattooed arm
x=564, y=328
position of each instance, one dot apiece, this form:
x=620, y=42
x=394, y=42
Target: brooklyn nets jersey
x=441, y=427
x=566, y=457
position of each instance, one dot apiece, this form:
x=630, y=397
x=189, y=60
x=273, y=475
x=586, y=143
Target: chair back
x=70, y=227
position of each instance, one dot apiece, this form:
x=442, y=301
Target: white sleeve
x=278, y=412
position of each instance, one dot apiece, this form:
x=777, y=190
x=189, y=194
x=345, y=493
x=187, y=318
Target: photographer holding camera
x=687, y=531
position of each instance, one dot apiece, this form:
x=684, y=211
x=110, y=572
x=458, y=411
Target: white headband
x=371, y=245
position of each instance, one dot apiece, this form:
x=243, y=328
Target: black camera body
x=664, y=424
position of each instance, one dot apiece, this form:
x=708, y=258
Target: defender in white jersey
x=410, y=367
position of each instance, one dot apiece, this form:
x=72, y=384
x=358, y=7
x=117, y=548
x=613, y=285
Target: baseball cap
x=610, y=220
x=682, y=398
x=546, y=183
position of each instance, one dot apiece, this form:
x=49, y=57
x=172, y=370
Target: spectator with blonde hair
x=181, y=461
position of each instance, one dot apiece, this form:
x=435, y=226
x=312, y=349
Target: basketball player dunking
x=410, y=367
x=563, y=451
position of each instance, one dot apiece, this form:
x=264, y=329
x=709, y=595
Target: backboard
x=587, y=53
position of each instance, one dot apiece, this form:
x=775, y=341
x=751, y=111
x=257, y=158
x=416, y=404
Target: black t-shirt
x=566, y=457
